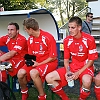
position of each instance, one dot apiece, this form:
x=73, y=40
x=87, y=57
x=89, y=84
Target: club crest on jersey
x=80, y=48
x=41, y=47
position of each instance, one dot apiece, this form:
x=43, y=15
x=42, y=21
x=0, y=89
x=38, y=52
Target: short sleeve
x=66, y=49
x=93, y=55
x=52, y=47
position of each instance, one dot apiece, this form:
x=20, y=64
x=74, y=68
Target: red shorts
x=62, y=72
x=3, y=76
x=43, y=69
x=17, y=63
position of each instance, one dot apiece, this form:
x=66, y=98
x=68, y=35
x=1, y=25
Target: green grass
x=33, y=95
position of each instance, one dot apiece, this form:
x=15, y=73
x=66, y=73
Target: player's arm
x=52, y=51
x=87, y=65
x=66, y=64
x=7, y=55
x=66, y=54
x=50, y=59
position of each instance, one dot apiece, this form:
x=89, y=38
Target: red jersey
x=42, y=47
x=80, y=49
x=18, y=45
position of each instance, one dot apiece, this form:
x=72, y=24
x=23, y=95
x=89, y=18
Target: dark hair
x=76, y=19
x=89, y=13
x=15, y=24
x=31, y=23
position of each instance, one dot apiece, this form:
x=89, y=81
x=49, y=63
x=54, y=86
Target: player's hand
x=35, y=63
x=76, y=75
x=66, y=77
x=69, y=75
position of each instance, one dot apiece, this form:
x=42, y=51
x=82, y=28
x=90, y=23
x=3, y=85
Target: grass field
x=33, y=95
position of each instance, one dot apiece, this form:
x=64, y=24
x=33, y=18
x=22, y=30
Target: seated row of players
x=43, y=64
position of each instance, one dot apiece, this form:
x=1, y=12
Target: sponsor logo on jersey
x=18, y=47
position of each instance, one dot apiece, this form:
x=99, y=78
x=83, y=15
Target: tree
x=63, y=8
x=66, y=8
x=18, y=4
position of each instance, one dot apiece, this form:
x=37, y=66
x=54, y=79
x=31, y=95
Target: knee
x=49, y=77
x=34, y=73
x=21, y=73
x=87, y=80
x=97, y=80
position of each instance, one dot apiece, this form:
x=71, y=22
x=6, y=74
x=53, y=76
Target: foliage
x=63, y=8
x=66, y=8
x=18, y=4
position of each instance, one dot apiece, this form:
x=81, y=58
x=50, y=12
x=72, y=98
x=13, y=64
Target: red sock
x=42, y=97
x=59, y=91
x=24, y=94
x=25, y=90
x=97, y=92
x=83, y=94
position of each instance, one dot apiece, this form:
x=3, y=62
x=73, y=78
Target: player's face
x=12, y=32
x=29, y=32
x=74, y=29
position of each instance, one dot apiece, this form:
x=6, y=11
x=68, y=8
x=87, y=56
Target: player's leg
x=85, y=80
x=54, y=80
x=38, y=76
x=35, y=75
x=22, y=74
x=97, y=86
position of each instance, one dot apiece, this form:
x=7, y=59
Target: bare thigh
x=53, y=76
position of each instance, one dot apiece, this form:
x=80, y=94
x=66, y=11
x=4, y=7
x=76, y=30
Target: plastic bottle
x=17, y=84
x=70, y=81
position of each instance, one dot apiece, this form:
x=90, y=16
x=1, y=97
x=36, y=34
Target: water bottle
x=70, y=81
x=17, y=84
